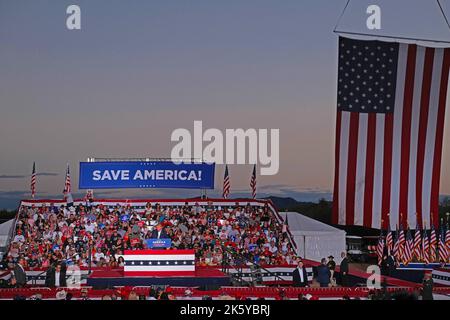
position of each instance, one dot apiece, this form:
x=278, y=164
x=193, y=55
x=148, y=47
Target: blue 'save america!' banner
x=146, y=174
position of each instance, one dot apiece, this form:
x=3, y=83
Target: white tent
x=424, y=22
x=5, y=229
x=315, y=240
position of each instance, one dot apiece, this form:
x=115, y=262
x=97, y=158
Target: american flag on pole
x=163, y=263
x=409, y=248
x=425, y=247
x=418, y=243
x=395, y=249
x=447, y=240
x=389, y=240
x=33, y=181
x=380, y=248
x=433, y=244
x=67, y=184
x=443, y=250
x=401, y=245
x=253, y=182
x=389, y=132
x=226, y=183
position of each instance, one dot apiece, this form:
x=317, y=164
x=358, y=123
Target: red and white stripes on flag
x=443, y=250
x=425, y=248
x=389, y=162
x=401, y=245
x=409, y=248
x=226, y=183
x=380, y=249
x=389, y=241
x=33, y=181
x=253, y=182
x=447, y=239
x=433, y=244
x=417, y=252
x=67, y=183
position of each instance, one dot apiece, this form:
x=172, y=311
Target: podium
x=159, y=243
x=159, y=263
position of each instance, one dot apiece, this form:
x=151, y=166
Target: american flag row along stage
x=426, y=246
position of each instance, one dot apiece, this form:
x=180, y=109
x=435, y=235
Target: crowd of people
x=98, y=235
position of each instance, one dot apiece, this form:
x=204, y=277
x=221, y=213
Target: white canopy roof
x=301, y=225
x=314, y=239
x=424, y=22
x=4, y=231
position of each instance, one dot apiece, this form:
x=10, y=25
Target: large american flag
x=33, y=181
x=253, y=182
x=390, y=123
x=226, y=183
x=153, y=263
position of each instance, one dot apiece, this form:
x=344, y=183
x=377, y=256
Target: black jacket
x=427, y=290
x=20, y=275
x=344, y=265
x=50, y=279
x=162, y=236
x=296, y=279
x=391, y=265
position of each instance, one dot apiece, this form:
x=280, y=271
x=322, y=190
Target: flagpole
x=33, y=181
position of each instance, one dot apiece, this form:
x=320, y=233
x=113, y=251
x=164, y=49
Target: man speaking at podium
x=159, y=233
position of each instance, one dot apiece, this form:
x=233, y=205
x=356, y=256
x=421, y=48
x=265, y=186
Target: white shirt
x=57, y=275
x=300, y=271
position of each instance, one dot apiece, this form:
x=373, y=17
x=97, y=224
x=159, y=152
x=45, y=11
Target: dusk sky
x=137, y=70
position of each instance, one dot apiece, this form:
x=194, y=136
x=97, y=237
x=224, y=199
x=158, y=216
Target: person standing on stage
x=427, y=287
x=300, y=276
x=331, y=266
x=323, y=273
x=159, y=233
x=344, y=270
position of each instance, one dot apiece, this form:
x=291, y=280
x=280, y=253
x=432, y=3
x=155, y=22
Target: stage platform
x=207, y=277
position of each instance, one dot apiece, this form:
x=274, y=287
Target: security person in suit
x=343, y=269
x=56, y=276
x=20, y=274
x=300, y=276
x=391, y=265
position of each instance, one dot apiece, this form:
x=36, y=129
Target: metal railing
x=256, y=272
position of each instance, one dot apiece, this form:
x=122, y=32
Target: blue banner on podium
x=159, y=243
